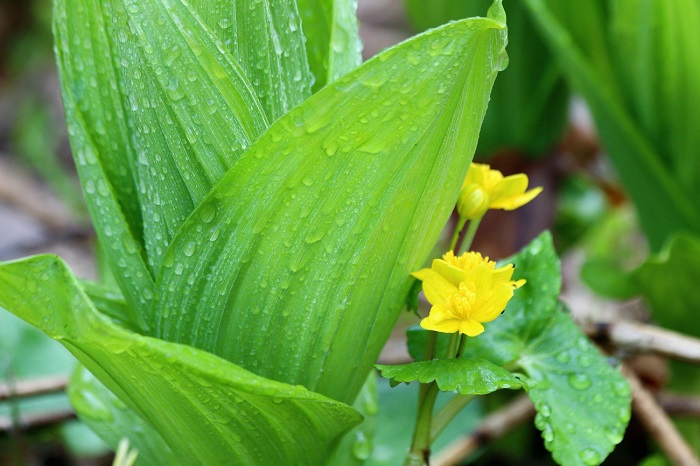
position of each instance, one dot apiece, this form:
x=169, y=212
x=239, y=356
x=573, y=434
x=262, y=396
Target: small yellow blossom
x=485, y=189
x=465, y=291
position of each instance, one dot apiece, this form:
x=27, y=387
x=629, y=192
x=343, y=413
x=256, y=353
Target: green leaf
x=529, y=101
x=466, y=376
x=579, y=38
x=191, y=109
x=305, y=247
x=102, y=150
x=112, y=420
x=669, y=282
x=208, y=411
x=94, y=109
x=583, y=403
x=606, y=278
x=109, y=302
x=333, y=42
x=397, y=417
x=357, y=445
x=265, y=38
x=417, y=342
x=26, y=353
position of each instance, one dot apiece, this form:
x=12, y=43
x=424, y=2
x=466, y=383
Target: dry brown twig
x=33, y=387
x=677, y=405
x=639, y=337
x=34, y=421
x=658, y=424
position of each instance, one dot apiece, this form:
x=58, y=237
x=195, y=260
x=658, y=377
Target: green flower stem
x=419, y=453
x=452, y=345
x=430, y=345
x=469, y=237
x=458, y=230
x=462, y=344
x=448, y=412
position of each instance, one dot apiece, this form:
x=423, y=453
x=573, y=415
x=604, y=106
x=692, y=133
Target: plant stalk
x=469, y=236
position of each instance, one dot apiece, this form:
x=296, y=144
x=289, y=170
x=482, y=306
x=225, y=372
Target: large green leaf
x=266, y=39
x=529, y=101
x=305, y=247
x=656, y=49
x=101, y=147
x=332, y=38
x=583, y=403
x=106, y=414
x=466, y=376
x=626, y=110
x=208, y=411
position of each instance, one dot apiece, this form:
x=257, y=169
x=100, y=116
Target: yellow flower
x=465, y=292
x=485, y=189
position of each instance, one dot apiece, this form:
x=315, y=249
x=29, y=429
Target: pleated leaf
x=466, y=376
x=631, y=83
x=208, y=411
x=266, y=39
x=297, y=264
x=582, y=402
x=100, y=142
x=528, y=108
x=333, y=42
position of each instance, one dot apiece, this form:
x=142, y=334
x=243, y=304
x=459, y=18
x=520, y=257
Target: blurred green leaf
x=418, y=341
x=357, y=445
x=26, y=353
x=36, y=138
x=466, y=376
x=305, y=247
x=633, y=63
x=581, y=204
x=529, y=101
x=583, y=404
x=208, y=411
x=396, y=421
x=606, y=278
x=669, y=282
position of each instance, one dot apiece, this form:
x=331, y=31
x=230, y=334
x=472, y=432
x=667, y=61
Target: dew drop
x=361, y=447
x=563, y=358
x=190, y=249
x=589, y=457
x=207, y=213
x=543, y=408
x=579, y=381
x=585, y=360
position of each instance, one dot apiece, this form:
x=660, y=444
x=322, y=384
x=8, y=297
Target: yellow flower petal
x=440, y=312
x=470, y=328
x=494, y=304
x=446, y=326
x=485, y=189
x=437, y=289
x=503, y=274
x=421, y=274
x=450, y=272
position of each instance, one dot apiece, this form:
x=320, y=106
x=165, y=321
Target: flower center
x=462, y=301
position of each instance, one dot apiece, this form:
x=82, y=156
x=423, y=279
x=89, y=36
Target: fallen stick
x=33, y=387
x=639, y=337
x=658, y=424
